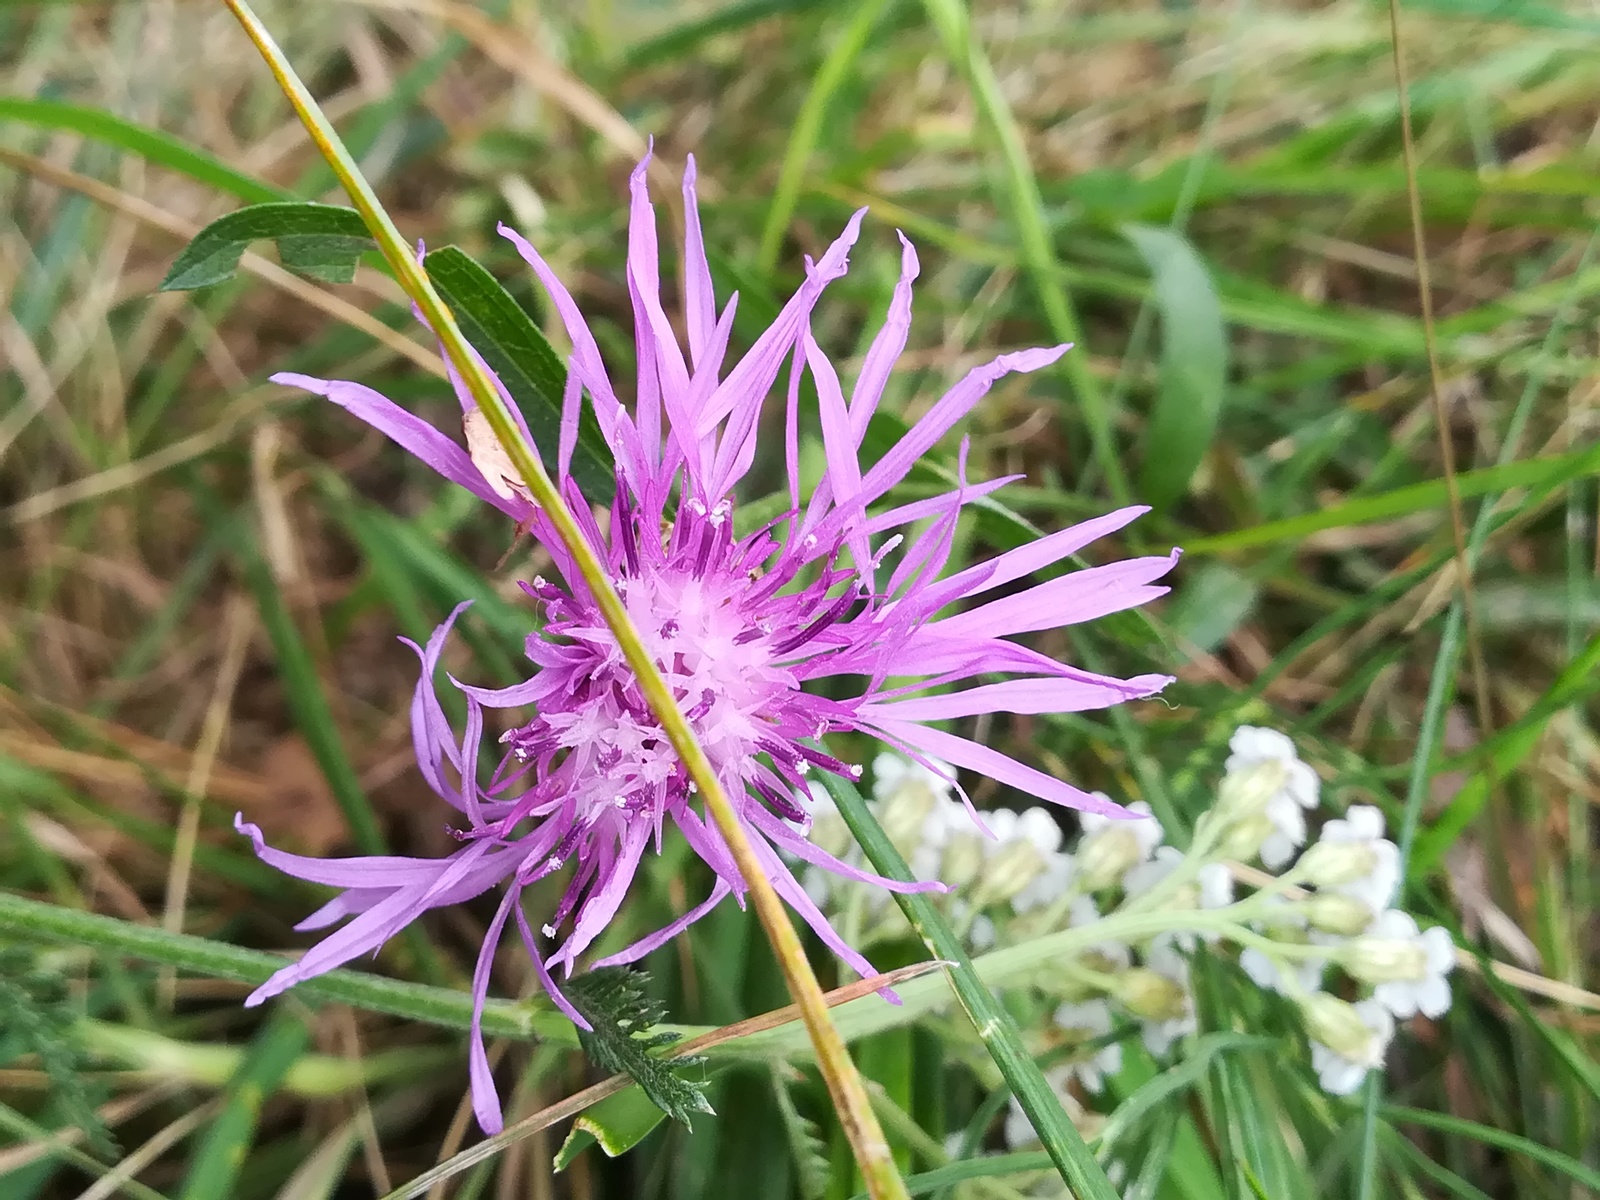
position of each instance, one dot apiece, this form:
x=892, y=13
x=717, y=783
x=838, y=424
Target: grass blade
x=214, y=1173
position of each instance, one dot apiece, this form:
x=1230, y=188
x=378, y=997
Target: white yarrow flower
x=1164, y=958
x=1048, y=886
x=1084, y=1023
x=1113, y=955
x=1212, y=886
x=1254, y=748
x=1362, y=1033
x=1293, y=976
x=1407, y=966
x=1355, y=859
x=1110, y=847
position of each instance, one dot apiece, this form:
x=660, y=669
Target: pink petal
x=485, y=1100
x=755, y=372
x=950, y=408
x=645, y=945
x=1020, y=696
x=886, y=346
x=1069, y=600
x=411, y=433
x=699, y=300
x=1051, y=548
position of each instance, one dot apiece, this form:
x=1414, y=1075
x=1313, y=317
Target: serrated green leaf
x=1194, y=363
x=34, y=1007
x=617, y=1124
x=805, y=1143
x=321, y=240
x=615, y=1003
x=525, y=361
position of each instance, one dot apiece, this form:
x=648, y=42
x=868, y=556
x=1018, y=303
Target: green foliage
x=806, y=1146
x=323, y=241
x=1194, y=364
x=625, y=1017
x=36, y=1010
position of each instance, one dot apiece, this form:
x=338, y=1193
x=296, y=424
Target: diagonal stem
x=838, y=1071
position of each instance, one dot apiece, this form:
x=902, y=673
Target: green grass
x=1210, y=200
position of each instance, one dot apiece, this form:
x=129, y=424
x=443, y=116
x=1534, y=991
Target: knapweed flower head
x=844, y=588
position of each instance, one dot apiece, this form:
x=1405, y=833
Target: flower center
x=728, y=639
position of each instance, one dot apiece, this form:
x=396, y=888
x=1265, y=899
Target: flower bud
x=1385, y=960
x=1154, y=997
x=1244, y=792
x=830, y=834
x=904, y=814
x=1332, y=912
x=1337, y=1025
x=1243, y=840
x=1330, y=864
x=963, y=859
x=1105, y=855
x=1014, y=867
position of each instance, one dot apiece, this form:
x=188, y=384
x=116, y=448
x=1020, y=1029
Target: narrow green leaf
x=994, y=1023
x=614, y=1001
x=1161, y=1089
x=989, y=1166
x=150, y=144
x=1036, y=246
x=617, y=1124
x=321, y=240
x=1194, y=363
x=526, y=363
x=214, y=1171
x=1585, y=1176
x=836, y=68
x=1542, y=473
x=1511, y=746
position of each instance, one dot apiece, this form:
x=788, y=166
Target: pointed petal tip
x=294, y=379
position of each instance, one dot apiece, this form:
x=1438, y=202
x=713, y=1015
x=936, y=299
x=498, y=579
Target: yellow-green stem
x=844, y=1082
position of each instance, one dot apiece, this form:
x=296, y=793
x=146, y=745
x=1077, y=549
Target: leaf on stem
x=323, y=241
x=614, y=1001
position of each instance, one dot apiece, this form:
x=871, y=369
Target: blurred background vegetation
x=202, y=576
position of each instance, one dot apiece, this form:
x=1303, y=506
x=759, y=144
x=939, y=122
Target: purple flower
x=740, y=625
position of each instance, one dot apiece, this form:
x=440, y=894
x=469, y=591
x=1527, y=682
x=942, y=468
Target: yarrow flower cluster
x=1117, y=916
x=844, y=586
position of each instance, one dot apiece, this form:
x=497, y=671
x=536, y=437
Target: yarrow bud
x=1025, y=842
x=1150, y=995
x=1331, y=912
x=1109, y=848
x=1338, y=1025
x=1245, y=793
x=1332, y=864
x=1347, y=1040
x=1244, y=839
x=1382, y=960
x=963, y=858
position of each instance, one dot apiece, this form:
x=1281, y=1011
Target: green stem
x=312, y=1076
x=31, y=920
